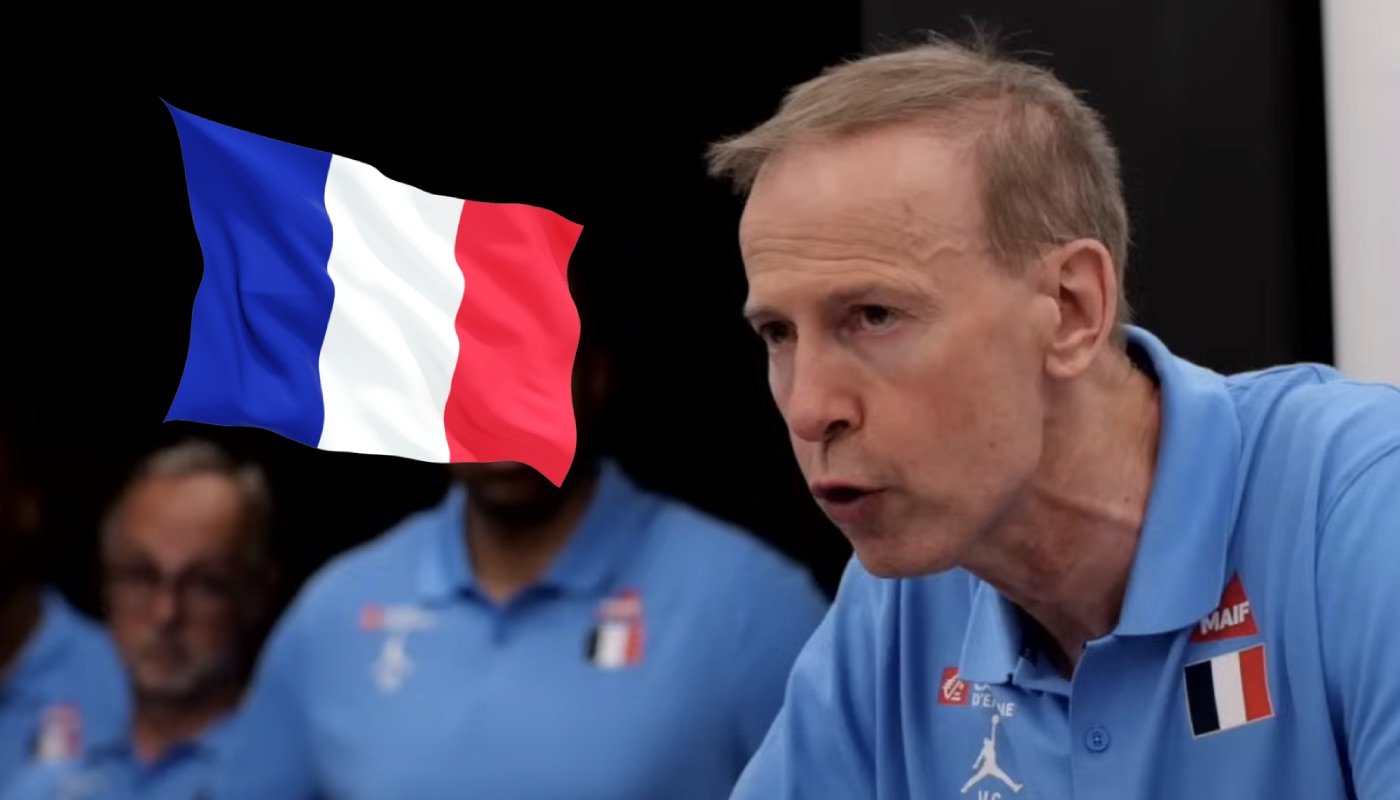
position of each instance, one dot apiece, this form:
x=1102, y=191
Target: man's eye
x=875, y=317
x=135, y=575
x=210, y=585
x=774, y=333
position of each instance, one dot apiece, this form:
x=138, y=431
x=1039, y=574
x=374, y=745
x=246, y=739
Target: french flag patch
x=1228, y=691
x=60, y=736
x=617, y=640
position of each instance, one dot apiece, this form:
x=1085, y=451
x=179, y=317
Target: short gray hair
x=1048, y=167
x=193, y=457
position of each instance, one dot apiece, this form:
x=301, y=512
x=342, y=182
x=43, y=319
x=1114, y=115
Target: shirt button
x=1096, y=739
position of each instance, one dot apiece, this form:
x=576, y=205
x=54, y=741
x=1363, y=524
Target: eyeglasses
x=200, y=590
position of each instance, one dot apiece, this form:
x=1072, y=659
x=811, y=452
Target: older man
x=183, y=553
x=1084, y=567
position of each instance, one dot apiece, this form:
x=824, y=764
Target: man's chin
x=165, y=693
x=504, y=483
x=887, y=560
x=494, y=472
x=165, y=687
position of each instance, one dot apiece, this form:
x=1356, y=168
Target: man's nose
x=820, y=402
x=166, y=604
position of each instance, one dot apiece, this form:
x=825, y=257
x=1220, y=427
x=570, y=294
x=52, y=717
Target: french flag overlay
x=351, y=312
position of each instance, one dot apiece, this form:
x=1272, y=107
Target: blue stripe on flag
x=262, y=307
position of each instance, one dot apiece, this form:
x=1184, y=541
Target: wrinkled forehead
x=890, y=210
x=181, y=520
x=903, y=190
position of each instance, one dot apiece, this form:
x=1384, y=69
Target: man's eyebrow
x=853, y=294
x=753, y=312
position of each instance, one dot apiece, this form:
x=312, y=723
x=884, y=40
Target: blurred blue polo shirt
x=110, y=770
x=647, y=664
x=67, y=688
x=1257, y=653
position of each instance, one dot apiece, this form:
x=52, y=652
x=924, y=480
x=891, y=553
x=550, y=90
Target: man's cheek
x=804, y=452
x=779, y=383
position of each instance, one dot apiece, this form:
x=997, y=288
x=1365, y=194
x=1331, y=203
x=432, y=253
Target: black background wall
x=1218, y=113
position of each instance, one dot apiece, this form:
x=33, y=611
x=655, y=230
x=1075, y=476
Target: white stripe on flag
x=612, y=644
x=391, y=343
x=1229, y=690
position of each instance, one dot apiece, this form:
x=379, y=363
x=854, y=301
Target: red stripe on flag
x=634, y=643
x=518, y=328
x=1254, y=677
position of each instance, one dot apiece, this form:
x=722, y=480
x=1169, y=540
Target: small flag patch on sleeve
x=1228, y=691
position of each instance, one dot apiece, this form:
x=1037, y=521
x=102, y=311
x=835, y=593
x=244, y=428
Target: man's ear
x=1082, y=281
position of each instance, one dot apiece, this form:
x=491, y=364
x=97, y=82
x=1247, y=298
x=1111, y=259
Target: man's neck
x=158, y=726
x=1065, y=553
x=20, y=613
x=509, y=555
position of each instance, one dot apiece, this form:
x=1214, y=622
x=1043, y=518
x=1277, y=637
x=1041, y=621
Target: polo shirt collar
x=1178, y=571
x=208, y=743
x=992, y=644
x=46, y=644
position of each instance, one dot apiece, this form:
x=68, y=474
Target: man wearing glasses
x=184, y=573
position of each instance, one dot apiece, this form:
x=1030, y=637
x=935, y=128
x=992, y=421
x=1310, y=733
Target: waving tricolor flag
x=351, y=312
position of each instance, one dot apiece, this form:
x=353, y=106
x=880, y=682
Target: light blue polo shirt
x=110, y=770
x=647, y=664
x=66, y=689
x=1257, y=654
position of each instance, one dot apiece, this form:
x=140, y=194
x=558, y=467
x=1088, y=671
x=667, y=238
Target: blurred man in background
x=186, y=585
x=61, y=685
x=525, y=641
x=1085, y=567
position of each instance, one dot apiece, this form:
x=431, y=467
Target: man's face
x=178, y=595
x=902, y=356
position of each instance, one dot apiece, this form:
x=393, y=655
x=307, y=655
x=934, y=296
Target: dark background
x=1217, y=109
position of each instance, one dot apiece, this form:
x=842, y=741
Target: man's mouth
x=844, y=501
x=840, y=494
